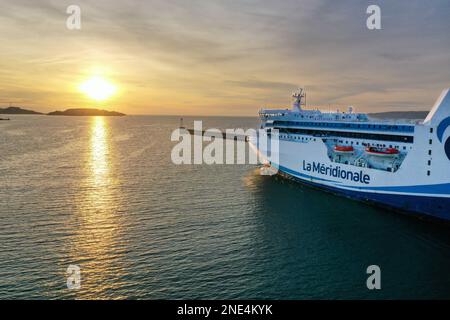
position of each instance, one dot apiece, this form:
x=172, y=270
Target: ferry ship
x=402, y=165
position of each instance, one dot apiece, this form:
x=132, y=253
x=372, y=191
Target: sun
x=98, y=88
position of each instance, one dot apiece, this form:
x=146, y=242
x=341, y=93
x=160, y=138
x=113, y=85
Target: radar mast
x=298, y=100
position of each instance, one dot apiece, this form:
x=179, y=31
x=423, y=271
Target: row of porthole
x=430, y=153
x=297, y=138
x=381, y=127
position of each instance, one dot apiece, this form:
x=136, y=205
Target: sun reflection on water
x=98, y=242
x=99, y=150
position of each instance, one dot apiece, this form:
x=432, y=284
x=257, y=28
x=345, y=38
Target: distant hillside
x=419, y=115
x=17, y=110
x=86, y=112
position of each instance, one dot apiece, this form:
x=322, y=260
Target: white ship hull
x=418, y=182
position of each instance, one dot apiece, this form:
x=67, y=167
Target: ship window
x=428, y=173
x=431, y=130
x=429, y=162
x=429, y=152
x=404, y=148
x=431, y=141
x=352, y=135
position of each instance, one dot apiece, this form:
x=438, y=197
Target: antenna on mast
x=305, y=96
x=298, y=96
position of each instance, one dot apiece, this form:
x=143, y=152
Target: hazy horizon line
x=194, y=115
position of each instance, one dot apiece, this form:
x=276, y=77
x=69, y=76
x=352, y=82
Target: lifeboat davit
x=343, y=149
x=382, y=152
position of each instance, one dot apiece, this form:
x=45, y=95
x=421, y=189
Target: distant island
x=17, y=110
x=413, y=115
x=68, y=112
x=86, y=112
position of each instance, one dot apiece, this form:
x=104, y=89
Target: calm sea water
x=103, y=194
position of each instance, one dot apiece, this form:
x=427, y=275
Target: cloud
x=258, y=84
x=202, y=56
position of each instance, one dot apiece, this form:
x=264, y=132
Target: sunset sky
x=229, y=57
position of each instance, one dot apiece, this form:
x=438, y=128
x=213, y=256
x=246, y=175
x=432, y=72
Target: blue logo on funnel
x=440, y=134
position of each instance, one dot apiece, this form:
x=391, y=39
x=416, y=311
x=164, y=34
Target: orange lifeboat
x=382, y=152
x=343, y=149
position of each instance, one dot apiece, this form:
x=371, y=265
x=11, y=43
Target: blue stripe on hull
x=421, y=205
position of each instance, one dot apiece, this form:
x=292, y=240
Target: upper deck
x=337, y=121
x=317, y=115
